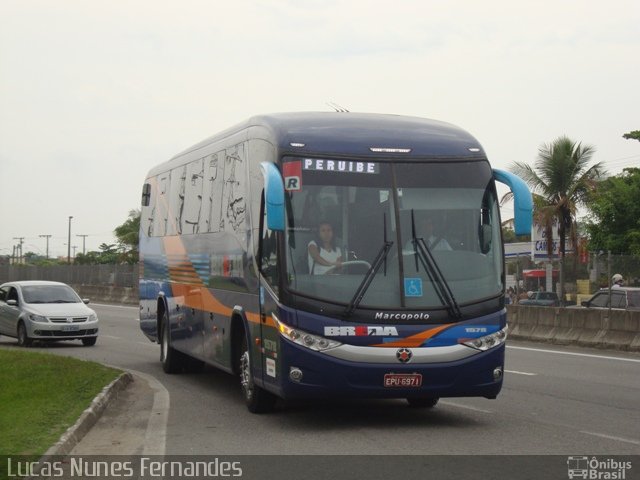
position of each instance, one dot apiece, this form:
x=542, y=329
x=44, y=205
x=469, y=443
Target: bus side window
x=148, y=209
x=268, y=251
x=146, y=195
x=212, y=193
x=160, y=212
x=193, y=197
x=177, y=195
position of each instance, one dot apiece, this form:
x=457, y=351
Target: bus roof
x=355, y=134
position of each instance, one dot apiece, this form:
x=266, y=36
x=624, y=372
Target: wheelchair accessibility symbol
x=412, y=287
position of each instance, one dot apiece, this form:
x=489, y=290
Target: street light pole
x=69, y=243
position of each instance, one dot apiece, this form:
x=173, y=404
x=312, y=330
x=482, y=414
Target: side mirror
x=273, y=196
x=12, y=303
x=86, y=301
x=486, y=235
x=522, y=200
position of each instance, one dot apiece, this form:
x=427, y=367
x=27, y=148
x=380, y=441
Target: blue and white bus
x=408, y=299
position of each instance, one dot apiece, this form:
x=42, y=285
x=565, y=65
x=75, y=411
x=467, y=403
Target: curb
x=88, y=418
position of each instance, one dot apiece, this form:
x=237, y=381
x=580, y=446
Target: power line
x=19, y=248
x=84, y=237
x=47, y=237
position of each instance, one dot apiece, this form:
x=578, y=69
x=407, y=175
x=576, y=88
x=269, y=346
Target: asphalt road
x=555, y=400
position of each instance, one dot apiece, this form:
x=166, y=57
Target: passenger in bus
x=323, y=255
x=431, y=238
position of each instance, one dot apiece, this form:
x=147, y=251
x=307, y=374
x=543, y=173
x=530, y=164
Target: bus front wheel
x=257, y=399
x=422, y=402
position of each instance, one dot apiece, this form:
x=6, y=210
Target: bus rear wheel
x=422, y=402
x=172, y=360
x=257, y=399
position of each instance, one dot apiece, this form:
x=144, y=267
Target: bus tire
x=172, y=360
x=258, y=400
x=23, y=336
x=422, y=402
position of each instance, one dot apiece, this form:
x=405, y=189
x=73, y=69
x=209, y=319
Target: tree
x=128, y=235
x=634, y=135
x=108, y=254
x=561, y=180
x=614, y=223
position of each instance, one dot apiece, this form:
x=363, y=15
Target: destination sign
x=339, y=166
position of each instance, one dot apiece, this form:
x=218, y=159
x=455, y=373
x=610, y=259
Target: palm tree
x=560, y=181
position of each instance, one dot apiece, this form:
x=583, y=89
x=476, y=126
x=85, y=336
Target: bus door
x=272, y=225
x=268, y=351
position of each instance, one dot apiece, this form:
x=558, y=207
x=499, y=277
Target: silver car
x=49, y=311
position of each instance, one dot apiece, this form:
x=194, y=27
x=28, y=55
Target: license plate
x=402, y=380
x=70, y=328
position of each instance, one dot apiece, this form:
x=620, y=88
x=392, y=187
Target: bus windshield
x=432, y=226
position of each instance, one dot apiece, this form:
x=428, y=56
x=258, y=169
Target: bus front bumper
x=304, y=373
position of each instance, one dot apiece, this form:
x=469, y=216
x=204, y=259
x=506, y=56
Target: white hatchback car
x=46, y=311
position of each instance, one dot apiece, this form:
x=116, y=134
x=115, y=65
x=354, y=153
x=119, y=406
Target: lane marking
x=588, y=355
x=109, y=336
x=155, y=438
x=466, y=407
x=611, y=437
x=521, y=373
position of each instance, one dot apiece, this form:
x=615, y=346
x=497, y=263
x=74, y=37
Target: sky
x=93, y=94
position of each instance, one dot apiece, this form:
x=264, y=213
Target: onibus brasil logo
x=597, y=469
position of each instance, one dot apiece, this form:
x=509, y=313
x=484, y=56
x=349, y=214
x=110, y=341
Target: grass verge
x=41, y=395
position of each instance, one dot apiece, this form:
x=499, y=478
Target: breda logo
x=360, y=331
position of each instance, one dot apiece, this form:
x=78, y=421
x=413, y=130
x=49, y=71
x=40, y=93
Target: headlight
x=93, y=317
x=38, y=318
x=488, y=341
x=306, y=339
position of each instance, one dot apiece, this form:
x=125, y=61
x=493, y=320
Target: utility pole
x=69, y=243
x=84, y=237
x=21, y=240
x=47, y=237
x=74, y=250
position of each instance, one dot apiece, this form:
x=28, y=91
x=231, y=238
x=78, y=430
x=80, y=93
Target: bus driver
x=323, y=255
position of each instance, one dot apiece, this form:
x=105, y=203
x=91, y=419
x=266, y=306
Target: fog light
x=497, y=373
x=295, y=374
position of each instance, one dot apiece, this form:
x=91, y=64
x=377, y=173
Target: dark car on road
x=541, y=299
x=623, y=298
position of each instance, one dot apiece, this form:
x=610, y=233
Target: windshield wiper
x=61, y=301
x=381, y=258
x=423, y=253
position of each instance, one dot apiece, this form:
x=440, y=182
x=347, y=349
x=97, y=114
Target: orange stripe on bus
x=197, y=295
x=414, y=341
